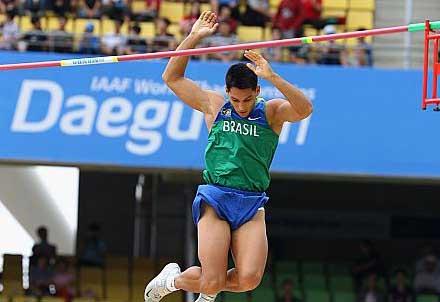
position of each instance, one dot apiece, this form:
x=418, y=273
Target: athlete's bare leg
x=249, y=250
x=214, y=237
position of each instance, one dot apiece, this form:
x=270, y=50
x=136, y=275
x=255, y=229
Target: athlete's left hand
x=259, y=64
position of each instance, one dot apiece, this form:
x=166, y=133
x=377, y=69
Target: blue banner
x=365, y=121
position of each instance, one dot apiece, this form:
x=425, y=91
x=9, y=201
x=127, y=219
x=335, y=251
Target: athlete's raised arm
x=295, y=107
x=174, y=74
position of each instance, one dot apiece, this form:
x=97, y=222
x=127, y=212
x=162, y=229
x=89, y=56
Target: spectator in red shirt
x=312, y=13
x=289, y=18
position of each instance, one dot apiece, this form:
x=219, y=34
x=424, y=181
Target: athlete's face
x=243, y=100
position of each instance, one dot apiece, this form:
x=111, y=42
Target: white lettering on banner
x=114, y=85
x=195, y=126
x=19, y=122
x=84, y=116
x=139, y=130
x=116, y=117
x=113, y=110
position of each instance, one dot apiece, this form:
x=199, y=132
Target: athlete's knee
x=249, y=280
x=212, y=285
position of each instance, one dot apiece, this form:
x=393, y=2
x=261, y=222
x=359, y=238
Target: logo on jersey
x=226, y=112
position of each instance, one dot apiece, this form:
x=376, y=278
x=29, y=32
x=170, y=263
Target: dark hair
x=241, y=77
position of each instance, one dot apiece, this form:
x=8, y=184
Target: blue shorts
x=234, y=206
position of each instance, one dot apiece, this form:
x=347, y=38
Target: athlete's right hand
x=206, y=25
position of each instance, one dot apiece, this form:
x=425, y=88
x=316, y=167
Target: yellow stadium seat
x=357, y=19
x=175, y=30
x=274, y=3
x=108, y=26
x=147, y=29
x=80, y=25
x=12, y=275
x=24, y=299
x=328, y=12
x=2, y=18
x=138, y=7
x=205, y=7
x=172, y=10
x=25, y=24
x=336, y=4
x=92, y=279
x=362, y=4
x=143, y=271
x=53, y=24
x=250, y=33
x=117, y=278
x=83, y=300
x=51, y=299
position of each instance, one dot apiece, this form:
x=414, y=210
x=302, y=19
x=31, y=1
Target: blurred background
x=99, y=165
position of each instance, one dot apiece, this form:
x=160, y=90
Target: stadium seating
x=250, y=33
x=172, y=10
x=12, y=275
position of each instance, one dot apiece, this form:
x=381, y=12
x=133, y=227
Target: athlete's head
x=242, y=88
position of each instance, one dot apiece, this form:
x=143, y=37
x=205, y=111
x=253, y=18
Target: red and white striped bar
x=208, y=50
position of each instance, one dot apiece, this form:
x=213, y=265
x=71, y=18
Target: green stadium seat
x=344, y=296
x=234, y=297
x=341, y=283
x=427, y=298
x=286, y=267
x=263, y=294
x=314, y=281
x=312, y=267
x=317, y=295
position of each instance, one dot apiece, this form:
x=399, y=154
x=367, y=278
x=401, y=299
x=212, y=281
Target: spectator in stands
x=288, y=292
x=116, y=9
x=89, y=43
x=10, y=32
x=42, y=249
x=362, y=53
x=274, y=54
x=61, y=40
x=136, y=43
x=371, y=293
x=370, y=262
x=224, y=36
x=92, y=251
x=225, y=15
x=289, y=18
x=312, y=10
x=9, y=5
x=425, y=251
x=401, y=291
x=427, y=281
x=332, y=53
x=40, y=277
x=64, y=281
x=188, y=20
x=300, y=54
x=35, y=7
x=114, y=43
x=89, y=9
x=61, y=7
x=257, y=13
x=163, y=40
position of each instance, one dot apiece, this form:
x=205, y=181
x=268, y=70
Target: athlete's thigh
x=214, y=238
x=249, y=245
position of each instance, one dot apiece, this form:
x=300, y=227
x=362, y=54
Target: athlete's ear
x=257, y=90
x=226, y=89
